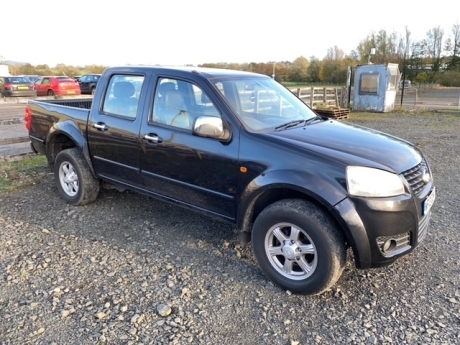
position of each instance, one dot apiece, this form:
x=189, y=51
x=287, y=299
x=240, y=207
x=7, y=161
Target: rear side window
x=122, y=95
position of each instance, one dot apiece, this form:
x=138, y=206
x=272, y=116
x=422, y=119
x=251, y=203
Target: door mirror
x=210, y=127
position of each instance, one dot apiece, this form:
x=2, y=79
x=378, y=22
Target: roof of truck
x=204, y=71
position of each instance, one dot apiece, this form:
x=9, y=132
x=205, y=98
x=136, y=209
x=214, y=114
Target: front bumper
x=380, y=230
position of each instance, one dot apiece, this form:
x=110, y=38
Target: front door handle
x=152, y=137
x=101, y=125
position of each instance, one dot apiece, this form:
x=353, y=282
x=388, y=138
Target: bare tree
x=434, y=45
x=364, y=47
x=455, y=47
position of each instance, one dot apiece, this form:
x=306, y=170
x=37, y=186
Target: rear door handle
x=101, y=125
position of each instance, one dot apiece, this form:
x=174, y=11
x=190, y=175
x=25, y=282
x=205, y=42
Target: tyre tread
x=89, y=185
x=298, y=208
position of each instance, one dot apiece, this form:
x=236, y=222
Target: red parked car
x=61, y=86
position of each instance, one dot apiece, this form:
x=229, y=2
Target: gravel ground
x=130, y=270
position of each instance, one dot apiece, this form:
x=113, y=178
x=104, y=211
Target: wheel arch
x=271, y=187
x=65, y=135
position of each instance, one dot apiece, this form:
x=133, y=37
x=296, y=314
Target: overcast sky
x=179, y=32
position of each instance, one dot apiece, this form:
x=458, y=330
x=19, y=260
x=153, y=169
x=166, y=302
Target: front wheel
x=298, y=246
x=75, y=183
x=50, y=93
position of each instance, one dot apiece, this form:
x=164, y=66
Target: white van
x=4, y=71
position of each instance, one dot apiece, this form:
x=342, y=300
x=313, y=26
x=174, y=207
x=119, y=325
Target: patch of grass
x=22, y=173
x=370, y=116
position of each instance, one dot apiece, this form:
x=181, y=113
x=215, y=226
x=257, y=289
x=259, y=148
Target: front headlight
x=370, y=182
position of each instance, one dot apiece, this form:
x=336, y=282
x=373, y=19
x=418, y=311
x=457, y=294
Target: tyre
x=93, y=90
x=298, y=246
x=50, y=93
x=75, y=183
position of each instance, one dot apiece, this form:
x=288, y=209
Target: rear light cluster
x=28, y=119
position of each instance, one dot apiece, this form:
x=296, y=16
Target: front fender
x=321, y=187
x=71, y=131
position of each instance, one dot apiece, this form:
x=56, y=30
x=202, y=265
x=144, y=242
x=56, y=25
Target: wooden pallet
x=343, y=117
x=336, y=113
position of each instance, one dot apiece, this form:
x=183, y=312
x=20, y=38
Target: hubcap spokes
x=68, y=178
x=291, y=251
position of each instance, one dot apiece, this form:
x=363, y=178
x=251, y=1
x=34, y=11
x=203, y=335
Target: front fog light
x=393, y=245
x=388, y=245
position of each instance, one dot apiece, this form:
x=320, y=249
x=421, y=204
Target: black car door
x=84, y=83
x=192, y=170
x=113, y=131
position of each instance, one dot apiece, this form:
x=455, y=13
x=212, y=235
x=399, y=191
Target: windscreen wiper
x=313, y=119
x=290, y=124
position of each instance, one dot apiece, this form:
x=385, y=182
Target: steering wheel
x=182, y=115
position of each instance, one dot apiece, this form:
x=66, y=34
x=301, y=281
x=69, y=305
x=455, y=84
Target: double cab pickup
x=239, y=146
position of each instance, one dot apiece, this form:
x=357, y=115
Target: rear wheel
x=76, y=185
x=93, y=90
x=50, y=93
x=298, y=246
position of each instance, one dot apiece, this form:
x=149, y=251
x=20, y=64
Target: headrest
x=174, y=99
x=204, y=98
x=123, y=89
x=167, y=86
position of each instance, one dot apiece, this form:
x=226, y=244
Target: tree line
x=59, y=69
x=434, y=59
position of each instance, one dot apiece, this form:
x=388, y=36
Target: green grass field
x=23, y=172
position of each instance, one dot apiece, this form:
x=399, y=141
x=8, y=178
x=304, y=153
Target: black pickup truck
x=241, y=147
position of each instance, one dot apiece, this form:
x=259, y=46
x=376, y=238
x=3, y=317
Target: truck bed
x=75, y=103
x=53, y=116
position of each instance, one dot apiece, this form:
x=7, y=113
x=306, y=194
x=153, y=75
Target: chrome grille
x=414, y=177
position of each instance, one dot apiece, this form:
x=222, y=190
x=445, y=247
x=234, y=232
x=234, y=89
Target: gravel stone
x=164, y=310
x=110, y=271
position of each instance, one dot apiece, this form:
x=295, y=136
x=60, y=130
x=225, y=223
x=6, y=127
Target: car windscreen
x=262, y=104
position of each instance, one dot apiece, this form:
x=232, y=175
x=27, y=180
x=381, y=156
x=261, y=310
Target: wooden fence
x=322, y=97
x=417, y=96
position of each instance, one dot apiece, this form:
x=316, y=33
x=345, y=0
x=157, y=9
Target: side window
x=83, y=79
x=121, y=98
x=179, y=103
